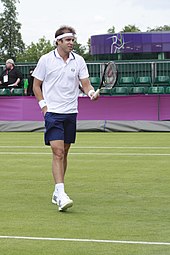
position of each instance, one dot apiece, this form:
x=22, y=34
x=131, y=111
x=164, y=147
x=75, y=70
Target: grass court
x=120, y=184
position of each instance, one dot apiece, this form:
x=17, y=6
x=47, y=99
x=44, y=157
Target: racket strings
x=110, y=76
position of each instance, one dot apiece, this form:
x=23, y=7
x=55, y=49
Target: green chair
x=120, y=91
x=162, y=80
x=167, y=91
x=95, y=82
x=17, y=92
x=127, y=81
x=5, y=92
x=156, y=90
x=144, y=81
x=106, y=92
x=137, y=90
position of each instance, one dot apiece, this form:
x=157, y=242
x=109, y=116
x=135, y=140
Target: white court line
x=82, y=240
x=86, y=153
x=23, y=147
x=120, y=147
x=87, y=147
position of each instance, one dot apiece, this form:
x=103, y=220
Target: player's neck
x=63, y=54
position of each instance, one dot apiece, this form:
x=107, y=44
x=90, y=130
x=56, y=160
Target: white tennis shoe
x=63, y=201
x=55, y=199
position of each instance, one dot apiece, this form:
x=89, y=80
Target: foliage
x=87, y=56
x=131, y=28
x=134, y=28
x=11, y=42
x=111, y=30
x=34, y=51
x=12, y=45
x=79, y=49
x=160, y=28
x=83, y=50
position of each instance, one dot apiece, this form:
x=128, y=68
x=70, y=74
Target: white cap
x=11, y=61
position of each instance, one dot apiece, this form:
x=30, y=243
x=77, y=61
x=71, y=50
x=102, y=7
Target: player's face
x=67, y=44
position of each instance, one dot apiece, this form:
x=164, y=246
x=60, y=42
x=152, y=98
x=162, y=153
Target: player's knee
x=58, y=154
x=66, y=149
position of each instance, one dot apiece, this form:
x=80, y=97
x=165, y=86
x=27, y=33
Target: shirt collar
x=71, y=55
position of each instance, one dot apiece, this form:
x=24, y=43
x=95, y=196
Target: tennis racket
x=109, y=77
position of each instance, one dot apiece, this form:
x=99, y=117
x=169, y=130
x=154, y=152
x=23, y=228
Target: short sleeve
x=83, y=71
x=40, y=70
x=19, y=74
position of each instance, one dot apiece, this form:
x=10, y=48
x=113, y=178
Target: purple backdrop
x=130, y=42
x=136, y=107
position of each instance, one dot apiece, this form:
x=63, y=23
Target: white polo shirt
x=61, y=80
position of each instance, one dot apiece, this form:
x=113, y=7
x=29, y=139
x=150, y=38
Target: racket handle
x=97, y=92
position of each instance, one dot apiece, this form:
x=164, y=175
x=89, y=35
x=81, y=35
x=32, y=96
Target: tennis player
x=60, y=72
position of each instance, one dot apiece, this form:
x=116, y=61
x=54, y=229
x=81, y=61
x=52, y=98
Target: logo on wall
x=118, y=43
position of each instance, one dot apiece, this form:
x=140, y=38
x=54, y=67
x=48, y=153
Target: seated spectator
x=10, y=77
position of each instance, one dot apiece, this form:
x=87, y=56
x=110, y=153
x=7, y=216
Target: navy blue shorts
x=60, y=127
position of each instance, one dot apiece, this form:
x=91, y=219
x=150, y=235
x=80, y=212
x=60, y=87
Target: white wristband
x=42, y=103
x=91, y=92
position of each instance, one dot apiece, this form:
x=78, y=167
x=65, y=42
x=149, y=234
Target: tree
x=161, y=28
x=111, y=30
x=11, y=42
x=79, y=49
x=34, y=51
x=131, y=28
x=87, y=55
x=83, y=50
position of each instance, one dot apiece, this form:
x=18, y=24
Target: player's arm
x=38, y=94
x=88, y=88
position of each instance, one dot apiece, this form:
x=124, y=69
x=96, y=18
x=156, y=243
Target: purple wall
x=130, y=43
x=136, y=107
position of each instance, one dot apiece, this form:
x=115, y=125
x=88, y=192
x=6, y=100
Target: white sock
x=59, y=188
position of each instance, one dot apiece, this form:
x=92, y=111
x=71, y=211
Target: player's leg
x=66, y=150
x=59, y=161
x=69, y=137
x=54, y=136
x=58, y=170
x=59, y=164
x=60, y=133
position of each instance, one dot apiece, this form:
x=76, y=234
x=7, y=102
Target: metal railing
x=135, y=69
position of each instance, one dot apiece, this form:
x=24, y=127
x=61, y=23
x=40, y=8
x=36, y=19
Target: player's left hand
x=94, y=97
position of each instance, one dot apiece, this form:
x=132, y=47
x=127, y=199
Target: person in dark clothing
x=30, y=83
x=11, y=76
